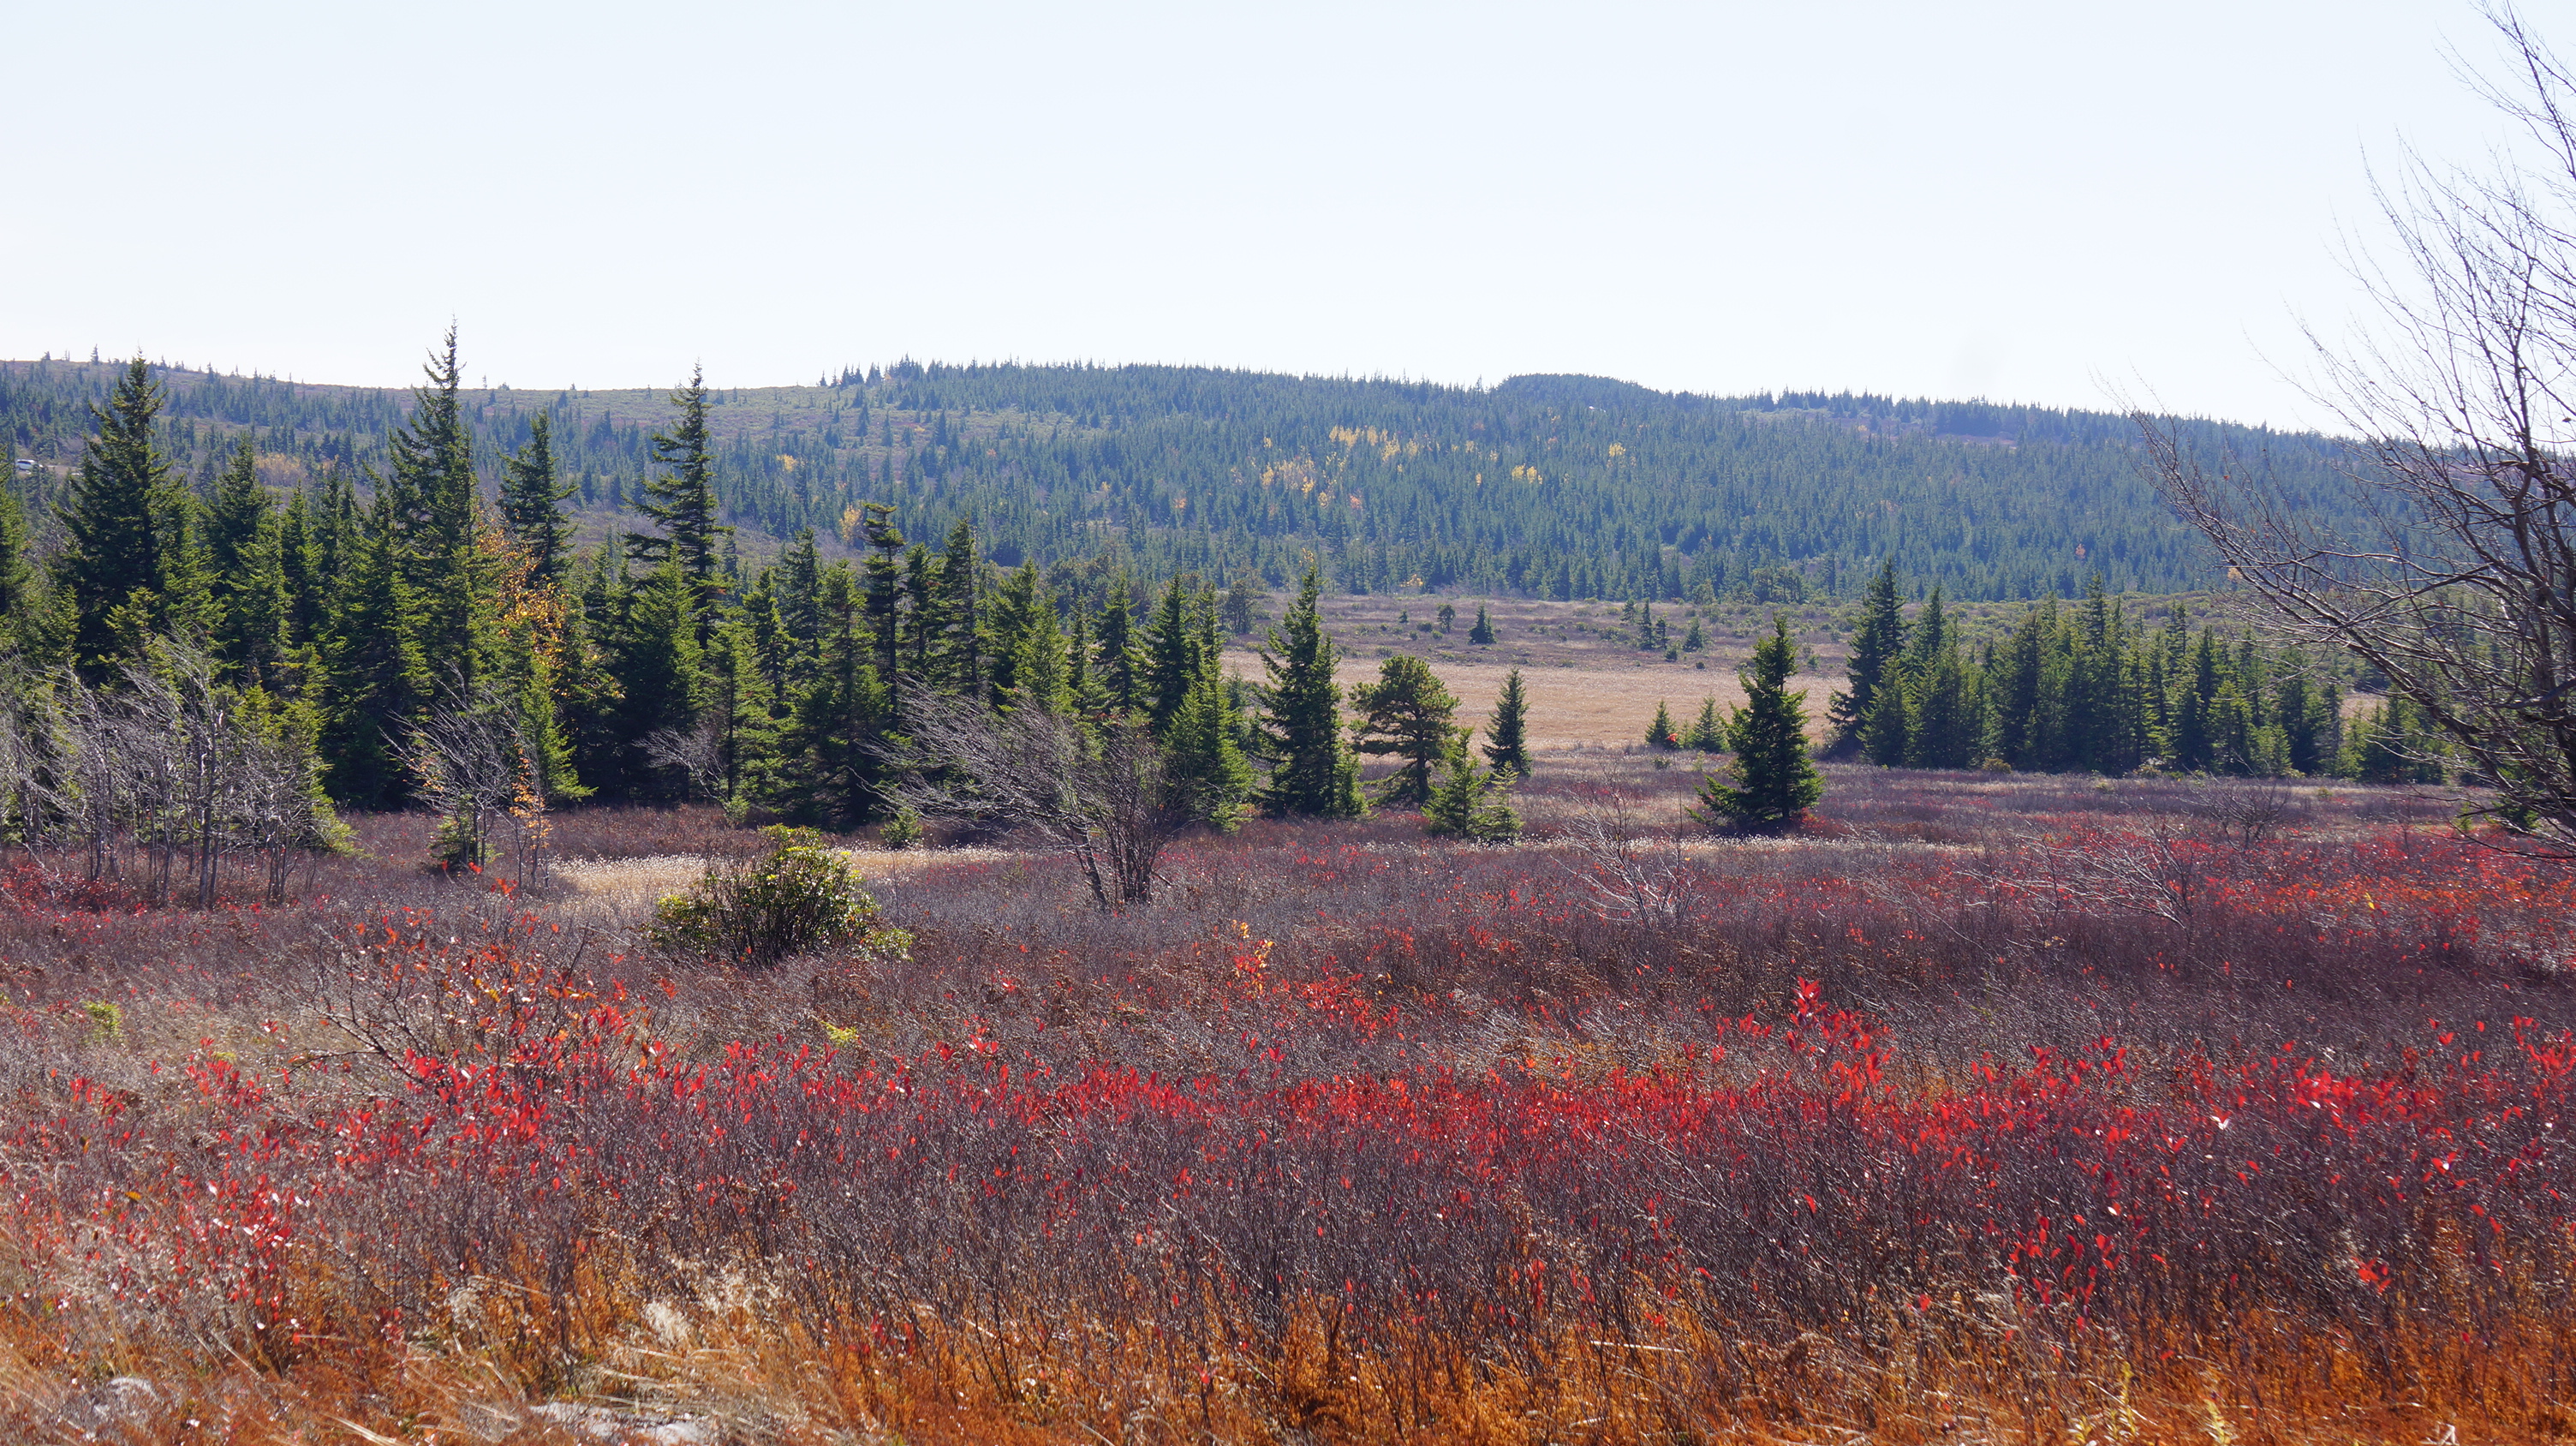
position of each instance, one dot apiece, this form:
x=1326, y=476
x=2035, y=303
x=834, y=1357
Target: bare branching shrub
x=470, y=762
x=1093, y=789
x=1623, y=880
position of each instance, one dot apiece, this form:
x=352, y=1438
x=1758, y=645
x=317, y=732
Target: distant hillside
x=1556, y=486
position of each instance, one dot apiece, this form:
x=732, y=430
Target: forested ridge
x=1552, y=486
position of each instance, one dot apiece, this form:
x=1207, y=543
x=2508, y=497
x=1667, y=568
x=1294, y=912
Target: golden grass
x=1586, y=707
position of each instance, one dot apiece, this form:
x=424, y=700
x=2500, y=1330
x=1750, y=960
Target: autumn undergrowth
x=1983, y=1108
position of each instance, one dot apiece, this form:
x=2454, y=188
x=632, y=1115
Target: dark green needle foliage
x=1771, y=783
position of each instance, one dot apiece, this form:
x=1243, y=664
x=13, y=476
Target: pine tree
x=1172, y=661
x=957, y=663
x=738, y=705
x=660, y=666
x=431, y=501
x=1204, y=767
x=246, y=565
x=680, y=498
x=1312, y=774
x=1946, y=726
x=1406, y=713
x=376, y=679
x=111, y=516
x=1708, y=731
x=1875, y=644
x=1468, y=801
x=1773, y=782
x=1507, y=735
x=828, y=766
x=22, y=624
x=1660, y=734
x=1120, y=667
x=532, y=502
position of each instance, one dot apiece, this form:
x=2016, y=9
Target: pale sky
x=2036, y=202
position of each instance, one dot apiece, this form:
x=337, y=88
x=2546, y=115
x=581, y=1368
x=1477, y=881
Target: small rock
x=114, y=1410
x=628, y=1428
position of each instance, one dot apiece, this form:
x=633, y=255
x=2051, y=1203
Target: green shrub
x=799, y=898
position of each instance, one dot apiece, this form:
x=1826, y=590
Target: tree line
x=2084, y=688
x=1556, y=487
x=432, y=642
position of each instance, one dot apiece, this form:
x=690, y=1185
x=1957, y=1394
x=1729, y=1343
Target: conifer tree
x=1469, y=801
x=1120, y=668
x=679, y=496
x=532, y=502
x=1707, y=732
x=1204, y=767
x=1771, y=783
x=1312, y=774
x=1172, y=658
x=1945, y=726
x=1406, y=714
x=1507, y=734
x=828, y=766
x=377, y=680
x=1483, y=632
x=23, y=624
x=738, y=706
x=956, y=624
x=431, y=500
x=246, y=569
x=1660, y=733
x=1875, y=644
x=660, y=665
x=884, y=587
x=109, y=569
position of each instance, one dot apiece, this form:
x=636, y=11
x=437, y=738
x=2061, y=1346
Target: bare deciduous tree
x=471, y=762
x=2455, y=576
x=1096, y=791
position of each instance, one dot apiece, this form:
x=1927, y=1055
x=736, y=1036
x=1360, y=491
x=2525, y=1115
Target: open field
x=2024, y=1109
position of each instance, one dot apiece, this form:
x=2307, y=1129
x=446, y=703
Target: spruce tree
x=1406, y=714
x=109, y=567
x=532, y=503
x=828, y=768
x=1660, y=733
x=1772, y=782
x=1204, y=768
x=679, y=496
x=1707, y=732
x=23, y=629
x=1312, y=774
x=246, y=566
x=1483, y=632
x=1507, y=735
x=1172, y=661
x=1875, y=644
x=1468, y=801
x=957, y=662
x=376, y=679
x=660, y=666
x=1120, y=666
x=431, y=485
x=1945, y=727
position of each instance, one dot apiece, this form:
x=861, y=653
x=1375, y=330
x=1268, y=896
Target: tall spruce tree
x=1771, y=783
x=679, y=495
x=110, y=565
x=1311, y=774
x=247, y=572
x=532, y=499
x=1875, y=644
x=430, y=508
x=1507, y=734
